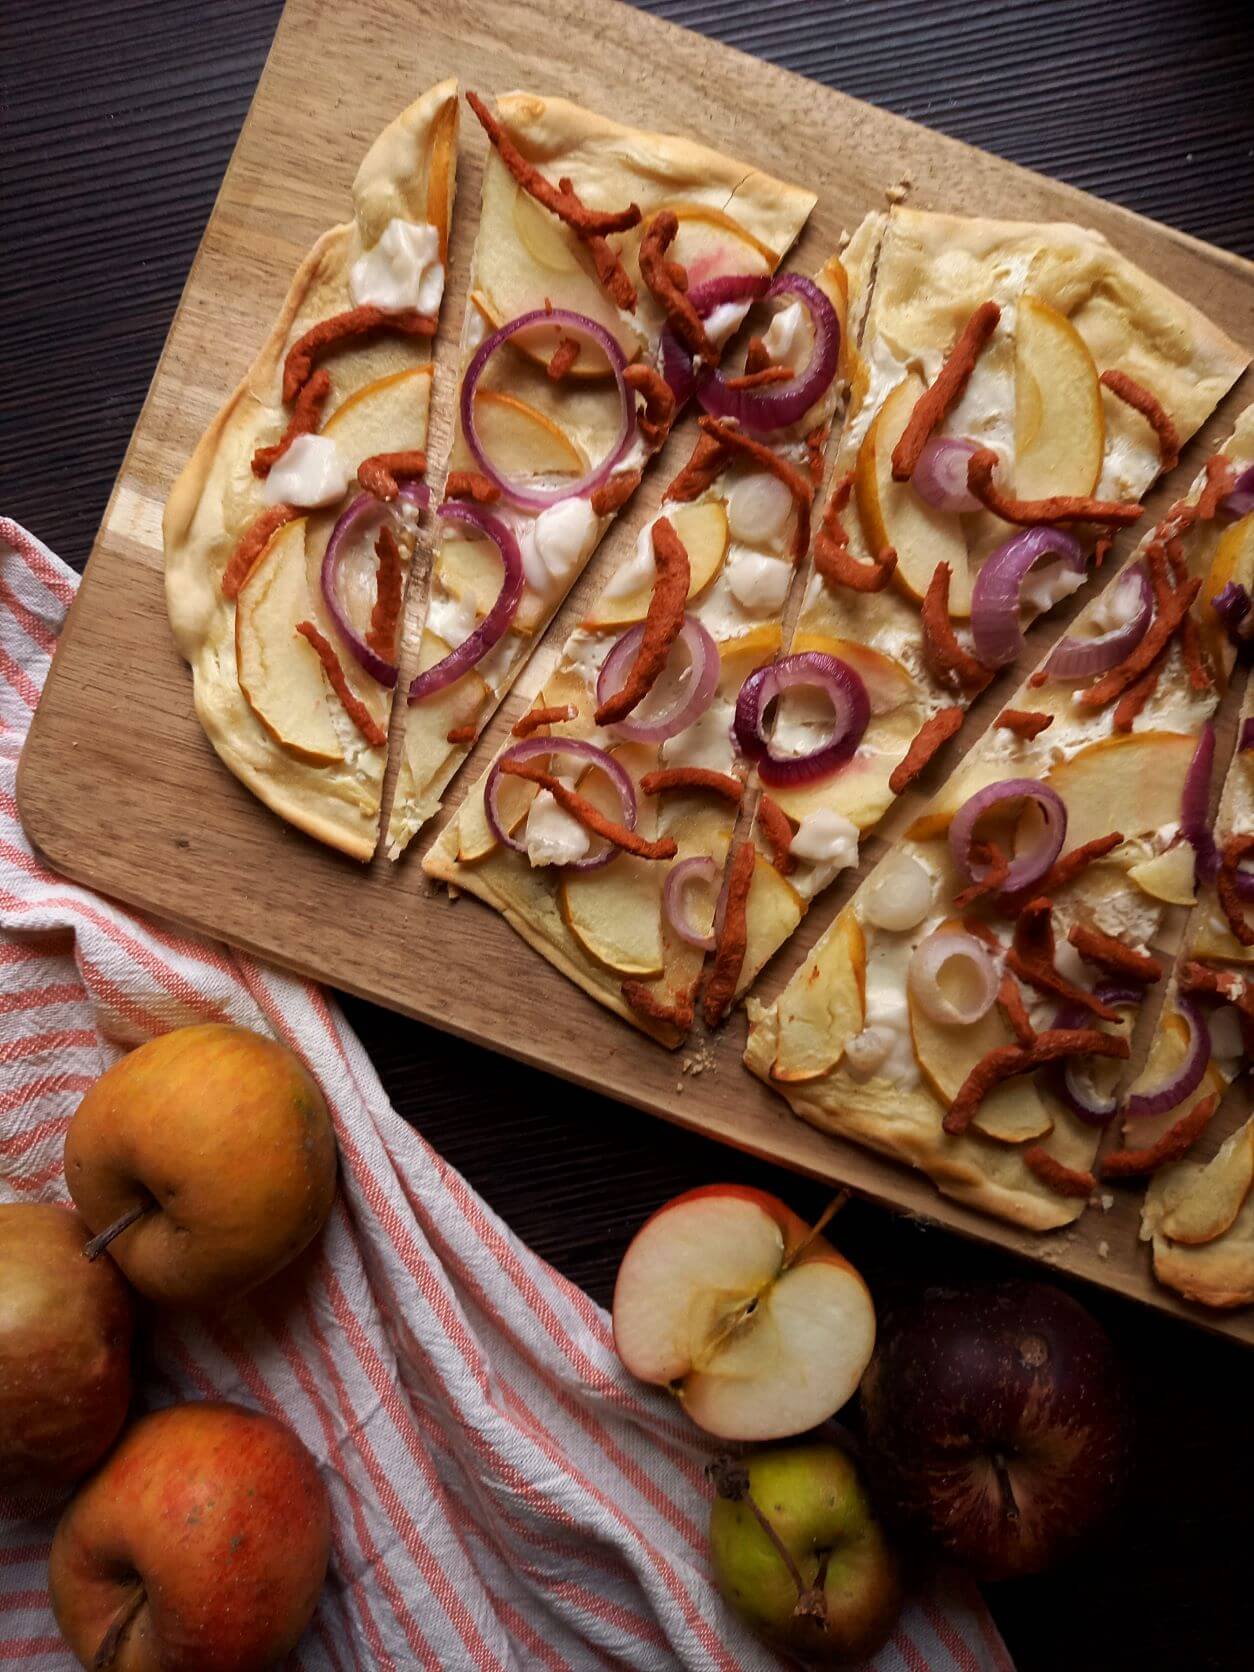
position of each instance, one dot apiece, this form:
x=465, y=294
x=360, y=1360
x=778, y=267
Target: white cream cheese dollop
x=1049, y=585
x=402, y=271
x=826, y=838
x=636, y=573
x=888, y=1009
x=758, y=508
x=786, y=339
x=450, y=616
x=720, y=322
x=552, y=836
x=706, y=742
x=310, y=473
x=556, y=543
x=758, y=583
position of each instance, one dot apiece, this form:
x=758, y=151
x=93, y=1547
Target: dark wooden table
x=119, y=119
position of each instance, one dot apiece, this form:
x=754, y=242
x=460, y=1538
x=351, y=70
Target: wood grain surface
x=153, y=94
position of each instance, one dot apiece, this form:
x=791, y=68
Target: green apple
x=798, y=1554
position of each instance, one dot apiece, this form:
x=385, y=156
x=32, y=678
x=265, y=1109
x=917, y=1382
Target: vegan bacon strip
x=1144, y=401
x=1162, y=629
x=1225, y=984
x=380, y=473
x=706, y=462
x=693, y=778
x=250, y=545
x=1111, y=955
x=777, y=829
x=614, y=493
x=469, y=484
x=1011, y=1004
x=763, y=376
x=1065, y=870
x=1219, y=478
x=461, y=734
x=729, y=950
x=1135, y=698
x=642, y=999
x=1006, y=1061
x=659, y=402
x=1235, y=849
x=816, y=441
x=932, y=735
x=1056, y=1175
x=1128, y=1163
x=592, y=818
x=563, y=358
x=589, y=225
x=660, y=276
x=1061, y=508
x=388, y=592
x=832, y=557
x=799, y=486
x=304, y=419
x=941, y=650
x=984, y=853
x=1031, y=957
x=327, y=334
x=662, y=624
x=534, y=718
x=757, y=356
x=356, y=710
x=935, y=403
x=1024, y=722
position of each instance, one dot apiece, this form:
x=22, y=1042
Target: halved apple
x=429, y=722
x=761, y=1330
x=1233, y=561
x=893, y=514
x=703, y=530
x=1169, y=876
x=440, y=173
x=823, y=1006
x=1131, y=782
x=1060, y=428
x=279, y=671
x=388, y=415
x=616, y=913
x=1216, y=1194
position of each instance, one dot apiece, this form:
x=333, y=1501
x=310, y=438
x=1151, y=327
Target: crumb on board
x=899, y=190
x=698, y=1060
x=1107, y=1201
x=1103, y=1250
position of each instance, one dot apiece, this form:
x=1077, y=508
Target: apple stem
x=96, y=1247
x=820, y=1225
x=731, y=1480
x=111, y=1642
x=1009, y=1507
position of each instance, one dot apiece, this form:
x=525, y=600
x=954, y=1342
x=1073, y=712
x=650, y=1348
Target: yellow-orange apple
x=65, y=1348
x=205, y=1160
x=760, y=1328
x=201, y=1543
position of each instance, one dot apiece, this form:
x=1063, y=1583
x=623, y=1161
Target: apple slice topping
x=761, y=1329
x=388, y=415
x=1060, y=428
x=1216, y=1193
x=1131, y=782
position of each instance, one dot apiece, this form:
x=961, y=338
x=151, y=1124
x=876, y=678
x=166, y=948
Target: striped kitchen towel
x=504, y=1495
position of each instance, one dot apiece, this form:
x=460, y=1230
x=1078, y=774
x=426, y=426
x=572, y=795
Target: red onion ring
x=845, y=691
x=677, y=364
x=1239, y=500
x=1074, y=658
x=775, y=407
x=675, y=905
x=1187, y=1078
x=493, y=626
x=926, y=962
x=528, y=748
x=1235, y=609
x=1194, y=805
x=940, y=477
x=531, y=498
x=338, y=547
x=690, y=703
x=995, y=627
x=1025, y=869
x=1086, y=1102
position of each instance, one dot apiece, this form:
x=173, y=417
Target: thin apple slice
x=1131, y=782
x=473, y=569
x=772, y=912
x=762, y=1333
x=893, y=514
x=279, y=671
x=441, y=173
x=386, y=416
x=523, y=441
x=1217, y=1193
x=743, y=655
x=1169, y=876
x=1060, y=428
x=823, y=1006
x=1166, y=1055
x=616, y=913
x=429, y=722
x=711, y=245
x=703, y=530
x=889, y=684
x=475, y=836
x=1233, y=561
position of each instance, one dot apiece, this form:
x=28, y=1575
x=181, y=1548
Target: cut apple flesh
x=386, y=416
x=440, y=174
x=520, y=440
x=1131, y=782
x=824, y=1006
x=743, y=655
x=429, y=722
x=279, y=671
x=772, y=912
x=1060, y=429
x=703, y=530
x=616, y=913
x=893, y=514
x=1169, y=876
x=1216, y=1194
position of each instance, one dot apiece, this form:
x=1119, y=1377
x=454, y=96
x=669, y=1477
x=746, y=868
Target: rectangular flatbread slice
x=1043, y=870
x=545, y=410
x=740, y=510
x=1061, y=316
x=294, y=698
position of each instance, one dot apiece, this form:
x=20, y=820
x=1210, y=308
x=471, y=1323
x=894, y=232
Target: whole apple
x=797, y=1552
x=206, y=1160
x=997, y=1424
x=201, y=1543
x=65, y=1348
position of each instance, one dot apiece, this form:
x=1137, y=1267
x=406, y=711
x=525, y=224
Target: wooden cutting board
x=118, y=786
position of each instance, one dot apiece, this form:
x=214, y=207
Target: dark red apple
x=997, y=1424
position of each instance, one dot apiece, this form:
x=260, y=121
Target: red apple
x=65, y=1348
x=760, y=1328
x=997, y=1424
x=200, y=1546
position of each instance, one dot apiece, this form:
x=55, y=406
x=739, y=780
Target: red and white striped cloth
x=504, y=1496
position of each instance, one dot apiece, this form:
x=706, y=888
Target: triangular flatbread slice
x=284, y=700
x=540, y=430
x=854, y=1041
